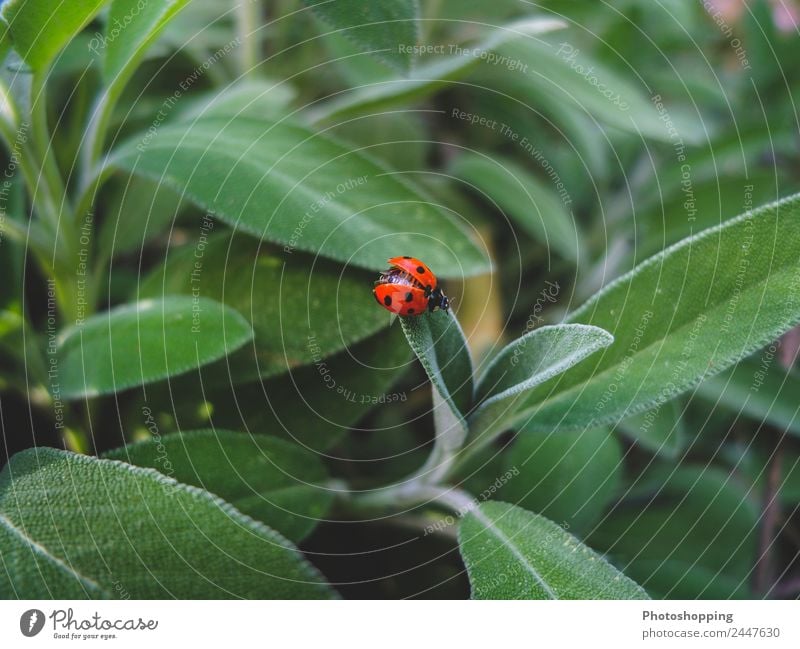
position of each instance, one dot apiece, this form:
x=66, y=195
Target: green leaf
x=398, y=138
x=301, y=310
x=678, y=318
x=5, y=40
x=439, y=343
x=575, y=79
x=428, y=77
x=758, y=390
x=513, y=554
x=131, y=28
x=384, y=29
x=659, y=430
x=269, y=479
x=313, y=405
x=74, y=527
x=568, y=477
x=40, y=29
x=698, y=516
x=505, y=388
x=671, y=580
x=244, y=98
x=145, y=342
x=138, y=211
x=528, y=201
x=294, y=187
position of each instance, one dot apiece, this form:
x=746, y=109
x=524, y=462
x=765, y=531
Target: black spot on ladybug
x=409, y=297
x=421, y=269
x=406, y=257
x=410, y=311
x=387, y=300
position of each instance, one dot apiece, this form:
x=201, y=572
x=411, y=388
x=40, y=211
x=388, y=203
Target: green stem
x=19, y=144
x=466, y=453
x=412, y=493
x=95, y=137
x=450, y=435
x=28, y=234
x=247, y=25
x=41, y=132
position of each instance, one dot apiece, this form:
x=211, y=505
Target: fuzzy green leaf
x=301, y=310
x=683, y=316
x=659, y=430
x=243, y=98
x=694, y=516
x=438, y=342
x=758, y=390
x=138, y=211
x=428, y=77
x=132, y=26
x=145, y=342
x=269, y=479
x=528, y=201
x=505, y=389
x=574, y=78
x=313, y=405
x=511, y=553
x=74, y=527
x=294, y=187
x=384, y=29
x=568, y=477
x=40, y=29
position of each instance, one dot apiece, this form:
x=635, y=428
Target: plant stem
x=763, y=578
x=411, y=493
x=247, y=25
x=450, y=435
x=465, y=453
x=14, y=134
x=49, y=168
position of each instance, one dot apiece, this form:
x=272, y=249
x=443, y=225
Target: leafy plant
x=197, y=199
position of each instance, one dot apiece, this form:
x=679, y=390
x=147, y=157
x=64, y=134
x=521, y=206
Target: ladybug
x=408, y=288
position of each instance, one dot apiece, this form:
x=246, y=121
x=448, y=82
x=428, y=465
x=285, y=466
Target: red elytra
x=417, y=270
x=409, y=288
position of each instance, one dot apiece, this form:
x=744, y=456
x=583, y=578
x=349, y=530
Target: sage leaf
x=692, y=516
x=289, y=185
x=269, y=479
x=73, y=526
x=301, y=310
x=132, y=26
x=678, y=317
x=386, y=29
x=39, y=30
x=528, y=201
x=511, y=553
x=505, y=389
x=427, y=77
x=568, y=477
x=439, y=343
x=143, y=342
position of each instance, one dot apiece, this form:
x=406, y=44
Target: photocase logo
x=31, y=622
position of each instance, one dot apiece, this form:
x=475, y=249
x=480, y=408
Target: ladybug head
x=438, y=300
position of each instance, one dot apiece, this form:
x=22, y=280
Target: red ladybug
x=408, y=288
